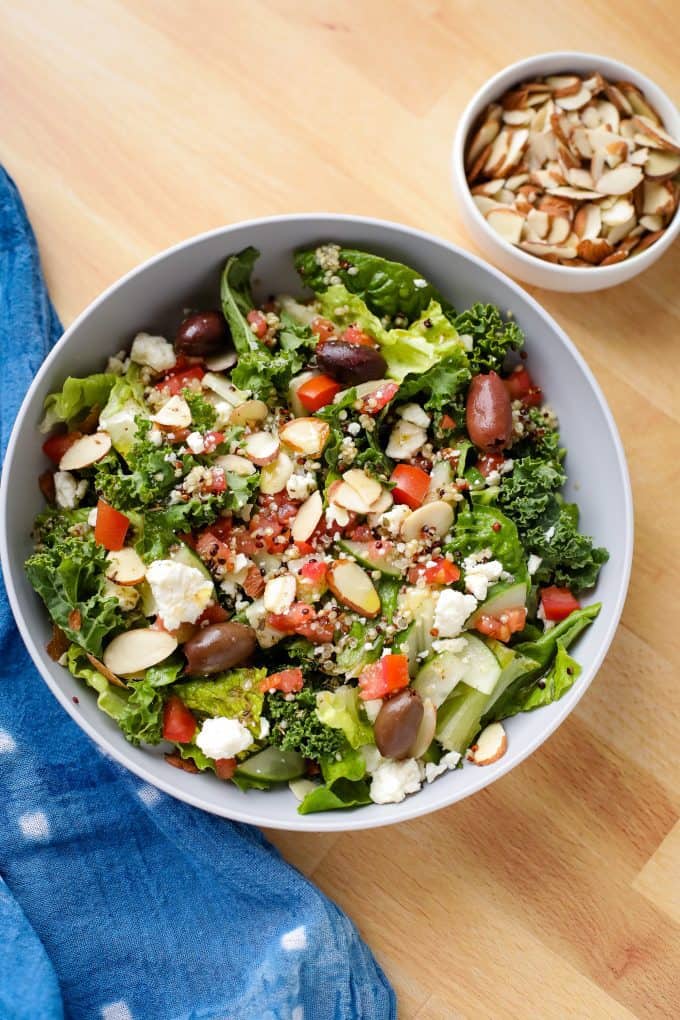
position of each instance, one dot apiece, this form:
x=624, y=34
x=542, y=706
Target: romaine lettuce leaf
x=237, y=299
x=492, y=337
x=486, y=527
x=388, y=288
x=440, y=386
x=344, y=784
x=235, y=694
x=124, y=406
x=340, y=710
x=76, y=398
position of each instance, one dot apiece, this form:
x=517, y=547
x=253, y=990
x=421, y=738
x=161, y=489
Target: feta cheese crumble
x=446, y=762
x=533, y=563
x=181, y=593
x=300, y=486
x=223, y=738
x=451, y=612
x=67, y=491
x=154, y=351
x=195, y=443
x=478, y=576
x=392, y=780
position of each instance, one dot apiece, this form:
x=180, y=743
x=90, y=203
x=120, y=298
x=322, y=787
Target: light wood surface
x=131, y=125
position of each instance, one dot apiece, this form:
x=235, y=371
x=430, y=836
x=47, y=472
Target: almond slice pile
x=577, y=171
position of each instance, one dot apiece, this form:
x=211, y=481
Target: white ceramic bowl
x=149, y=298
x=513, y=260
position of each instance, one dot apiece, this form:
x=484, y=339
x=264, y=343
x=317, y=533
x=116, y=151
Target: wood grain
x=130, y=125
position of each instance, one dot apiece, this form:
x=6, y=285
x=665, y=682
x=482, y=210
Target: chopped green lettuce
x=486, y=527
x=340, y=709
x=235, y=694
x=121, y=411
x=344, y=784
x=296, y=725
x=237, y=299
x=203, y=415
x=388, y=288
x=492, y=337
x=441, y=386
x=76, y=398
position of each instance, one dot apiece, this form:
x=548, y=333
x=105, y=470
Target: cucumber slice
x=459, y=718
x=273, y=765
x=439, y=676
x=481, y=668
x=372, y=555
x=421, y=602
x=183, y=554
x=504, y=596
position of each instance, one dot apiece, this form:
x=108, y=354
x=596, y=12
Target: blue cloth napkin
x=119, y=902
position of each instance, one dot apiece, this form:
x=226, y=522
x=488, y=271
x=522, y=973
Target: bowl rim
x=494, y=87
x=332, y=821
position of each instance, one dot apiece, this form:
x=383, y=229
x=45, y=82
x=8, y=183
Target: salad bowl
x=188, y=276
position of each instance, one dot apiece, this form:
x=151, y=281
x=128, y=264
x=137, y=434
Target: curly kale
x=203, y=415
x=297, y=727
x=492, y=337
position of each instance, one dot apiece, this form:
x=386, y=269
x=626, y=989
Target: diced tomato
x=268, y=532
x=359, y=533
x=218, y=480
x=317, y=392
x=558, y=603
x=442, y=572
x=179, y=724
x=288, y=681
x=504, y=626
x=375, y=401
x=314, y=571
x=174, y=382
x=354, y=335
x=521, y=386
x=213, y=614
x=386, y=676
x=304, y=548
x=211, y=440
x=213, y=551
x=411, y=485
x=174, y=435
x=322, y=328
x=258, y=323
x=225, y=767
x=447, y=422
x=56, y=446
x=111, y=527
x=302, y=619
x=222, y=528
x=488, y=462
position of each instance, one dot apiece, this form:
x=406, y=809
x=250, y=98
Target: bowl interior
x=151, y=298
x=561, y=62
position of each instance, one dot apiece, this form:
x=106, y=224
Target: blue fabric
x=117, y=900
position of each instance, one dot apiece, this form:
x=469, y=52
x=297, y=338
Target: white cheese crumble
x=446, y=762
x=300, y=486
x=154, y=351
x=393, y=519
x=264, y=728
x=533, y=563
x=336, y=515
x=195, y=442
x=181, y=593
x=354, y=428
x=67, y=491
x=420, y=283
x=414, y=414
x=451, y=612
x=223, y=738
x=549, y=533
x=478, y=576
x=92, y=517
x=392, y=780
x=493, y=478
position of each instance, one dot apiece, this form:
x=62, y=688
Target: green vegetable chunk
x=76, y=398
x=492, y=337
x=295, y=725
x=235, y=694
x=341, y=710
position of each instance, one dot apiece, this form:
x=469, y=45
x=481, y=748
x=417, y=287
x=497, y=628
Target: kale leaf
x=297, y=727
x=492, y=337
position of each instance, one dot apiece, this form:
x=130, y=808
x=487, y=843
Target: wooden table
x=131, y=125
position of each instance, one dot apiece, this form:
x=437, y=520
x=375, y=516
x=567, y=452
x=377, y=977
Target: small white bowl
x=513, y=260
x=188, y=276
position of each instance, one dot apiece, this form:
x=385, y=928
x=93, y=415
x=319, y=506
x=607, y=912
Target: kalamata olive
x=201, y=334
x=351, y=364
x=397, y=723
x=219, y=646
x=488, y=413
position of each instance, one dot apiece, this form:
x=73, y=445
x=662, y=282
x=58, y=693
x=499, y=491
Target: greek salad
x=316, y=541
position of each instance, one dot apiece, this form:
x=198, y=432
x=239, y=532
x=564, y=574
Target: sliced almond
x=136, y=650
x=627, y=130
x=538, y=224
x=659, y=138
x=658, y=199
x=489, y=188
x=498, y=153
x=105, y=671
x=479, y=163
x=559, y=230
x=594, y=250
x=653, y=223
x=279, y=593
x=620, y=181
x=432, y=520
x=174, y=414
x=595, y=83
x=550, y=252
x=293, y=386
x=620, y=212
x=352, y=586
x=484, y=137
x=249, y=413
x=235, y=464
x=637, y=102
x=588, y=221
x=85, y=451
x=575, y=100
x=221, y=362
x=516, y=181
x=426, y=730
x=581, y=142
x=554, y=206
x=517, y=143
x=563, y=84
x=261, y=447
x=537, y=98
x=125, y=567
x=577, y=194
x=383, y=502
x=617, y=233
x=307, y=517
x=491, y=744
x=368, y=488
x=305, y=435
x=648, y=241
x=273, y=477
x=345, y=496
x=507, y=223
x=608, y=114
x=485, y=204
x=580, y=179
x=618, y=98
x=661, y=166
x=517, y=118
x=405, y=440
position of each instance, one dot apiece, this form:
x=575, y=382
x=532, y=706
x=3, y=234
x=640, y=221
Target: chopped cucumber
x=481, y=668
x=273, y=765
x=504, y=596
x=183, y=554
x=421, y=602
x=372, y=555
x=459, y=718
x=439, y=676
